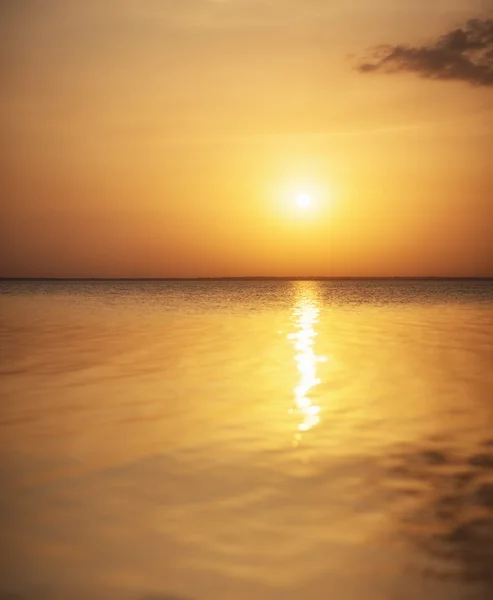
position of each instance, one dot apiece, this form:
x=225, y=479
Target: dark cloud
x=464, y=54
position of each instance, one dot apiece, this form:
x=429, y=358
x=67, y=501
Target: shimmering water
x=246, y=440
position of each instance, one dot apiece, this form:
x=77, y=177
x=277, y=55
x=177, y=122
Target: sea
x=246, y=440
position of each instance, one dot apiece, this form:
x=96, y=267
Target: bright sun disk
x=303, y=201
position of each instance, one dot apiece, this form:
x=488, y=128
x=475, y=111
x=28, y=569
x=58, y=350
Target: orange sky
x=165, y=138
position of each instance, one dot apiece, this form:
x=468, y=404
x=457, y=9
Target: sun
x=303, y=201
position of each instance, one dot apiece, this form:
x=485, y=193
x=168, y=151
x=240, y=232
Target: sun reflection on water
x=306, y=313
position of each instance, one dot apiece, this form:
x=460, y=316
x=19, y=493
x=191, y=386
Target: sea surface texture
x=252, y=440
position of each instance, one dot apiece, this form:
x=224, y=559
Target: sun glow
x=303, y=201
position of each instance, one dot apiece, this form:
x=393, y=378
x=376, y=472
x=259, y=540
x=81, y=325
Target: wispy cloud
x=464, y=54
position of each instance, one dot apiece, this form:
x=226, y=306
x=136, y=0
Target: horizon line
x=258, y=278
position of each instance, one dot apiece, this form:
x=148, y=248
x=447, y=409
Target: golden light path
x=306, y=313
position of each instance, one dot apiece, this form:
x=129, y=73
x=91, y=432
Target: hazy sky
x=155, y=138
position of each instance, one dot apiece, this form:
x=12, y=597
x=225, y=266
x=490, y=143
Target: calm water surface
x=246, y=440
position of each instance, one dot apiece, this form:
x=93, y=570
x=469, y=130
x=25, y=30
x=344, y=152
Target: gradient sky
x=168, y=138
